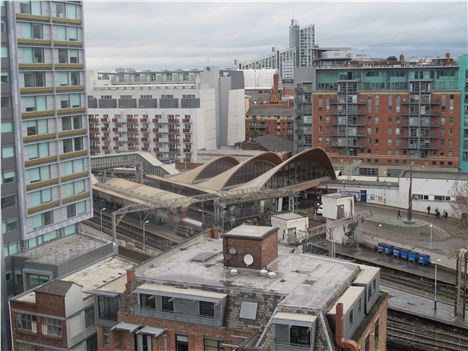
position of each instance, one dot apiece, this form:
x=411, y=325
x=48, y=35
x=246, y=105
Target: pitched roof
x=275, y=143
x=55, y=287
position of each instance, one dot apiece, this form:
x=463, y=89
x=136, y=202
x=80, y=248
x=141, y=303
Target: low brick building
x=243, y=292
x=60, y=314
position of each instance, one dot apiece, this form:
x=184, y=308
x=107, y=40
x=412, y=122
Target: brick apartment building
x=379, y=115
x=270, y=115
x=243, y=292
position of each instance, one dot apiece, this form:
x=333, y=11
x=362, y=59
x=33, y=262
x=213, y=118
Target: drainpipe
x=339, y=332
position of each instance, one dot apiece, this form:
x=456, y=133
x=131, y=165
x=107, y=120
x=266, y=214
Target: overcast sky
x=164, y=35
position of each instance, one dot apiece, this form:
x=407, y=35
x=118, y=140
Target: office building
x=463, y=86
x=243, y=292
x=171, y=114
x=374, y=119
x=45, y=159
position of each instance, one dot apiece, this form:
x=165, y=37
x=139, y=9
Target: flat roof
x=366, y=275
x=180, y=292
x=250, y=232
x=304, y=280
x=116, y=286
x=296, y=317
x=288, y=216
x=91, y=277
x=348, y=298
x=63, y=249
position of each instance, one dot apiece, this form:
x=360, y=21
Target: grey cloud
x=188, y=35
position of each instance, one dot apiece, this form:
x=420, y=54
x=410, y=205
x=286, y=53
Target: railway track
x=160, y=241
x=411, y=337
x=445, y=292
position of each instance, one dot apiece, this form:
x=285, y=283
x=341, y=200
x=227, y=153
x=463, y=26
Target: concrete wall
x=300, y=224
x=236, y=117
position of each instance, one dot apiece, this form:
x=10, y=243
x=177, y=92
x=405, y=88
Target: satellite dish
x=232, y=250
x=248, y=259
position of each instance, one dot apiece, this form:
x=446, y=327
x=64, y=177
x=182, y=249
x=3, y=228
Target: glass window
x=81, y=207
x=35, y=103
x=213, y=345
x=78, y=144
x=107, y=307
x=41, y=197
x=63, y=80
x=71, y=229
x=7, y=127
x=167, y=303
x=69, y=189
x=68, y=168
x=34, y=79
x=72, y=11
x=74, y=58
x=8, y=201
x=299, y=335
x=67, y=145
x=8, y=176
x=60, y=33
x=147, y=301
x=9, y=225
x=4, y=52
x=37, y=127
x=26, y=321
x=8, y=152
x=59, y=9
x=75, y=100
x=72, y=33
x=206, y=308
x=42, y=220
x=89, y=317
x=51, y=327
x=106, y=335
x=38, y=150
x=64, y=100
x=62, y=56
x=36, y=30
x=75, y=80
x=5, y=77
x=39, y=174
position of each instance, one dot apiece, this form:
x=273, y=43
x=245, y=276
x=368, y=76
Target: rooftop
x=305, y=281
x=55, y=287
x=63, y=249
x=88, y=278
x=250, y=232
x=288, y=216
x=275, y=143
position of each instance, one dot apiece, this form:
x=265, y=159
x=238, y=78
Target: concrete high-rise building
x=463, y=86
x=171, y=114
x=377, y=118
x=302, y=39
x=45, y=160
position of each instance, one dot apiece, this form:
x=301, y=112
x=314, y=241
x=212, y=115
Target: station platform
x=366, y=254
x=422, y=306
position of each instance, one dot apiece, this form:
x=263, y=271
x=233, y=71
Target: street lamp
x=144, y=235
x=435, y=285
x=102, y=209
x=430, y=238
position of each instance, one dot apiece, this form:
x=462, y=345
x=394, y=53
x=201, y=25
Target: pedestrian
x=437, y=213
x=445, y=214
x=399, y=213
x=428, y=209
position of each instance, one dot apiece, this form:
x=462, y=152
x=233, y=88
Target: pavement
x=449, y=239
x=422, y=306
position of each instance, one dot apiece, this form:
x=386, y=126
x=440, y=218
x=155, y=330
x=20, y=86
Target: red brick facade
x=378, y=318
x=376, y=123
x=46, y=304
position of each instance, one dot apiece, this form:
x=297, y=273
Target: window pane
x=41, y=103
x=27, y=55
x=36, y=8
x=37, y=221
x=36, y=198
x=81, y=207
x=34, y=174
x=78, y=144
x=67, y=145
x=8, y=151
x=46, y=195
x=77, y=122
x=62, y=56
x=26, y=31
x=7, y=127
x=63, y=78
x=33, y=151
x=72, y=12
x=60, y=33
x=44, y=149
x=67, y=168
x=64, y=101
x=75, y=100
x=30, y=103
x=79, y=166
x=42, y=126
x=69, y=189
x=72, y=33
x=45, y=172
x=60, y=10
x=79, y=186
x=73, y=56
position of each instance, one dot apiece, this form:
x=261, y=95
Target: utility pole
x=409, y=217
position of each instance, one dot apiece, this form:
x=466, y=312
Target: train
x=398, y=252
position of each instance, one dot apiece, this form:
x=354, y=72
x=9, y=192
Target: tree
x=460, y=203
x=255, y=133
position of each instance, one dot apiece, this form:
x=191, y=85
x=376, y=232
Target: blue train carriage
x=389, y=250
x=404, y=254
x=424, y=259
x=396, y=252
x=413, y=256
x=381, y=247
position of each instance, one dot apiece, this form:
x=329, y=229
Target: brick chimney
x=250, y=246
x=274, y=98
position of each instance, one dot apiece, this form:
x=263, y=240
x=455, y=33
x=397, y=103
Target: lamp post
x=435, y=285
x=144, y=235
x=430, y=238
x=102, y=209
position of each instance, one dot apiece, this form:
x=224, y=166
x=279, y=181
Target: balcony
x=186, y=140
x=187, y=150
x=178, y=317
x=350, y=145
x=433, y=135
x=186, y=130
x=186, y=120
x=174, y=131
x=132, y=130
x=420, y=146
x=144, y=129
x=132, y=120
x=173, y=121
